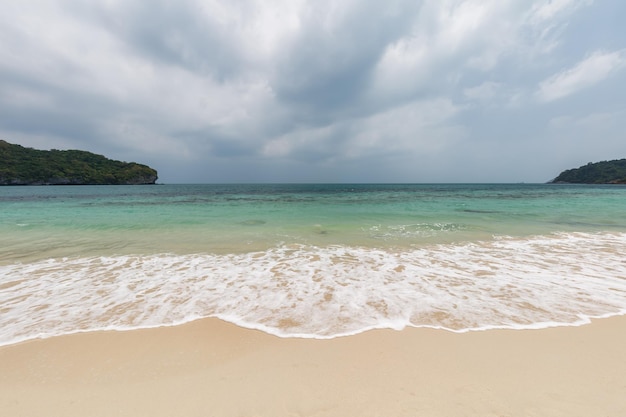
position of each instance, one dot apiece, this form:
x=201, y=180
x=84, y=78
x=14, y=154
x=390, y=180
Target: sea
x=310, y=260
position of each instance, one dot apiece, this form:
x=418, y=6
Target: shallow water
x=309, y=260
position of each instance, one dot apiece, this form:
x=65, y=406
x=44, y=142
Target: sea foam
x=325, y=292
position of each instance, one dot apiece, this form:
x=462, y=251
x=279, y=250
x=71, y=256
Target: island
x=605, y=172
x=26, y=166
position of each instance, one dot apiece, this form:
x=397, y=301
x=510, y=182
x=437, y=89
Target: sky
x=209, y=91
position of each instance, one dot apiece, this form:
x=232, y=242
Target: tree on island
x=605, y=172
x=27, y=166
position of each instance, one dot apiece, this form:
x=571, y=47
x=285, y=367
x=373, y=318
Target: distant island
x=605, y=172
x=27, y=166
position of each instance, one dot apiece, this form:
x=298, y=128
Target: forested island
x=605, y=172
x=26, y=166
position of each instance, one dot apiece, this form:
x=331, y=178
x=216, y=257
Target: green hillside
x=27, y=166
x=605, y=172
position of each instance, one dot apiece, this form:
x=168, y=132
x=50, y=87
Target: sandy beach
x=212, y=368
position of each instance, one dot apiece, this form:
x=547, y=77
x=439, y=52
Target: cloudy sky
x=320, y=90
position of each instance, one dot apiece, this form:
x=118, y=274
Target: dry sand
x=212, y=368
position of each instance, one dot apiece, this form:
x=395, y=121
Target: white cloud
x=592, y=70
x=451, y=38
x=484, y=91
x=418, y=127
x=546, y=10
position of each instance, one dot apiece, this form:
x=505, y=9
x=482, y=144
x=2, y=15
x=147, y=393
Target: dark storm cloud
x=328, y=64
x=34, y=107
x=175, y=33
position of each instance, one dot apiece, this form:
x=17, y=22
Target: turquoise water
x=309, y=260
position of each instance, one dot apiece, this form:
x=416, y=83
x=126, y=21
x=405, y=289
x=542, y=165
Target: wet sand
x=212, y=368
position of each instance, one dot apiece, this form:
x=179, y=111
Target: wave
x=324, y=292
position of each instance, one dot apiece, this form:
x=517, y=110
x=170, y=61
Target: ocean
x=309, y=260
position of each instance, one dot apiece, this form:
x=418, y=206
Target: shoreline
x=274, y=333
x=211, y=367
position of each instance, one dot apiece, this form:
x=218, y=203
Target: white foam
x=324, y=292
x=417, y=230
